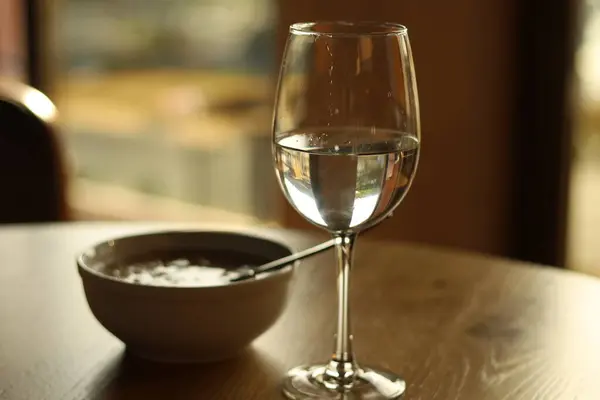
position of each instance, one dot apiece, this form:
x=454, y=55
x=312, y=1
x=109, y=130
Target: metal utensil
x=243, y=273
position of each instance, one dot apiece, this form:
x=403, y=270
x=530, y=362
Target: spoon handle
x=297, y=256
x=247, y=273
x=282, y=262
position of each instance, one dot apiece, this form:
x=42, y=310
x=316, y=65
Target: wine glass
x=346, y=137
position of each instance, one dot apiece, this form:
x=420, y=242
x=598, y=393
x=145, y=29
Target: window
x=166, y=107
x=584, y=229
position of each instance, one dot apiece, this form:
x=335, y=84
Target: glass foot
x=310, y=382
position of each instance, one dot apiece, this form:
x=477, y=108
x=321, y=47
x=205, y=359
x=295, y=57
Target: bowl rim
x=83, y=266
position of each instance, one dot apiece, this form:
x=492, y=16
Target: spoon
x=245, y=272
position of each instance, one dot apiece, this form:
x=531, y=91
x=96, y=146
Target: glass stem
x=341, y=370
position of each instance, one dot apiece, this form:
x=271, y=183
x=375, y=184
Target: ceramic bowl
x=186, y=324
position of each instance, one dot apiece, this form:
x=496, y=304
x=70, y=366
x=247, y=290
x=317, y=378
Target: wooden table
x=456, y=326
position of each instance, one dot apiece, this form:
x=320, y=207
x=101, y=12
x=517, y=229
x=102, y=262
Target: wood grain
x=455, y=325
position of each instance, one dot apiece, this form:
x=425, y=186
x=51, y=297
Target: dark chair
x=32, y=173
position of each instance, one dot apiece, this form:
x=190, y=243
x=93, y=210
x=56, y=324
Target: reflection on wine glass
x=346, y=140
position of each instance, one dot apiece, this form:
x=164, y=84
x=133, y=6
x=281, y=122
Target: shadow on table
x=252, y=375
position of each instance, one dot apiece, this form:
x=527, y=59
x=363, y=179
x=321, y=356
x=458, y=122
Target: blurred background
x=165, y=112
